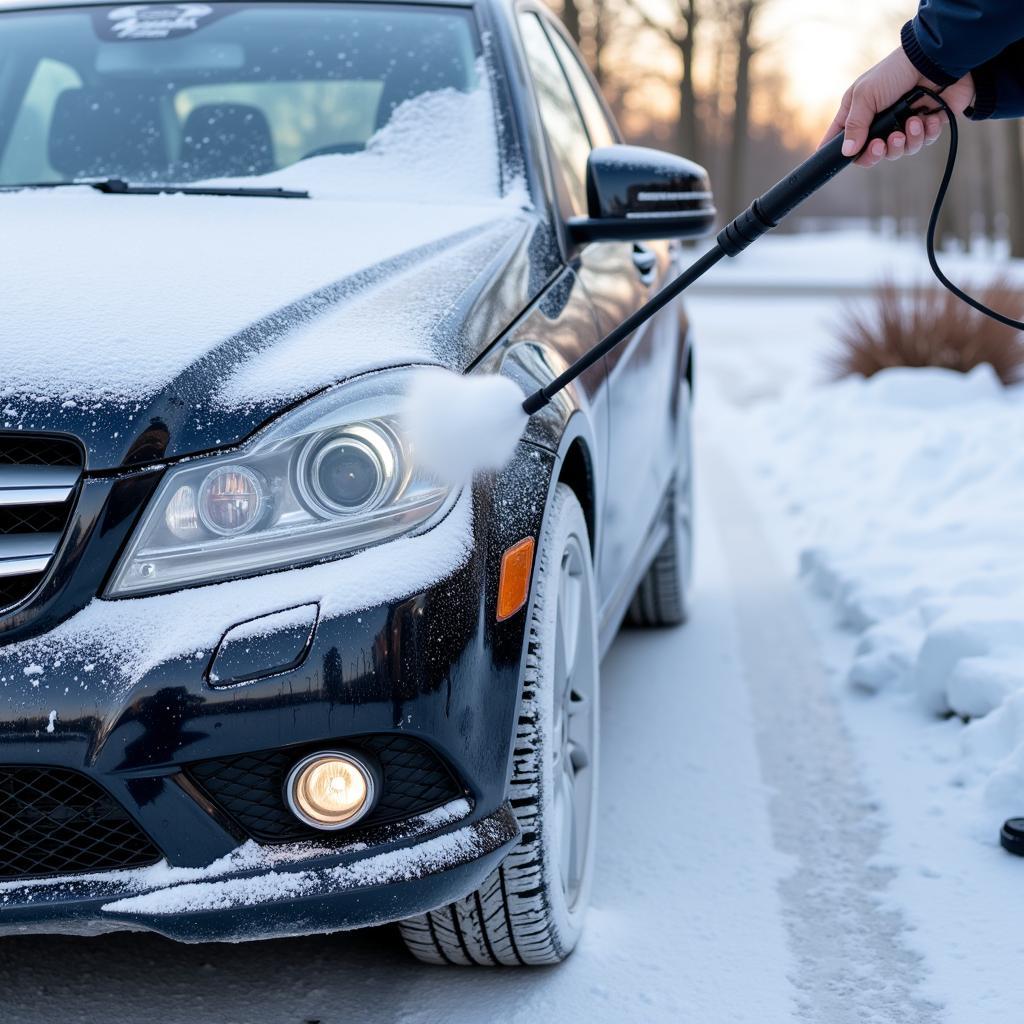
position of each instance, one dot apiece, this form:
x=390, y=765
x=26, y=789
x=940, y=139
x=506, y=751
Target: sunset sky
x=814, y=48
x=823, y=46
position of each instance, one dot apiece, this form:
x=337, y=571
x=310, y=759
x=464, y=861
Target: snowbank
x=907, y=495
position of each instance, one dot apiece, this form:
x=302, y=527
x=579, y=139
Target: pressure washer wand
x=763, y=214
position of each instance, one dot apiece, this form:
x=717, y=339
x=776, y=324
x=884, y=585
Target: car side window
x=563, y=124
x=598, y=126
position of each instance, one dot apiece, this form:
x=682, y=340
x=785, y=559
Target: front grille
x=32, y=518
x=16, y=588
x=33, y=450
x=54, y=821
x=38, y=478
x=250, y=788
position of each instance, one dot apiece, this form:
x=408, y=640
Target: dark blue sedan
x=261, y=673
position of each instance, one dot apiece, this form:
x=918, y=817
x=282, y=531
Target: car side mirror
x=636, y=194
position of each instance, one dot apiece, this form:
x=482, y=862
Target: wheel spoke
x=580, y=729
x=567, y=819
x=570, y=603
x=582, y=809
x=558, y=737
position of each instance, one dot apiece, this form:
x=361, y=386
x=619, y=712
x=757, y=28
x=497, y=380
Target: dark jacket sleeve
x=999, y=85
x=948, y=38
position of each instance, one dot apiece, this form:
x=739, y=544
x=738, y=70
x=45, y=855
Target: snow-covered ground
x=898, y=502
x=797, y=823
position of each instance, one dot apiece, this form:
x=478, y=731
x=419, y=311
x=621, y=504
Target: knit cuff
x=985, y=93
x=920, y=60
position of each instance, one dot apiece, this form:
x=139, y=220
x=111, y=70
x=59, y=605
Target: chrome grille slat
x=38, y=477
x=22, y=553
x=36, y=485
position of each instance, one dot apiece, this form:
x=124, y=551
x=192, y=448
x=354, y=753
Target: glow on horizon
x=822, y=47
x=814, y=50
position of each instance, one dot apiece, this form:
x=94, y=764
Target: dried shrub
x=930, y=327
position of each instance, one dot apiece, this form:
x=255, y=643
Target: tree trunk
x=986, y=182
x=736, y=178
x=682, y=34
x=689, y=138
x=600, y=41
x=1015, y=187
x=571, y=18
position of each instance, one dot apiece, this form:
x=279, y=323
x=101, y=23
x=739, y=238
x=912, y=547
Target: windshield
x=295, y=95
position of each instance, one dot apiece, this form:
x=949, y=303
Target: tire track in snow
x=854, y=963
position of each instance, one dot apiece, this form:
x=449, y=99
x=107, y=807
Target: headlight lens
x=337, y=474
x=231, y=501
x=350, y=472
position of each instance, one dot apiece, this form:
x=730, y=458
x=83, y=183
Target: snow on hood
x=120, y=294
x=205, y=301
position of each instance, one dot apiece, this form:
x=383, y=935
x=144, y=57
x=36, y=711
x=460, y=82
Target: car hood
x=158, y=326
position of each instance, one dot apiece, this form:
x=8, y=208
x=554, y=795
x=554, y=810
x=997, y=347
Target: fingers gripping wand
x=764, y=213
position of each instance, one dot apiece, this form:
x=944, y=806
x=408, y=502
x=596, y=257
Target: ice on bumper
x=254, y=877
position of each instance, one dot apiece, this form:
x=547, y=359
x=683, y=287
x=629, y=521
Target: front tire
x=530, y=909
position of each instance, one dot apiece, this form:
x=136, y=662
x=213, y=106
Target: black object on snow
x=1012, y=836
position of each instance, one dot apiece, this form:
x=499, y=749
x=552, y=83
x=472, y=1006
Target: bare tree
x=571, y=18
x=680, y=31
x=984, y=170
x=599, y=36
x=1015, y=187
x=741, y=16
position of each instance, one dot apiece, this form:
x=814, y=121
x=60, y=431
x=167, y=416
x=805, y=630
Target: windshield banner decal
x=138, y=22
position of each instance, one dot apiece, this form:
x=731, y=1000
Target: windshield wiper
x=116, y=186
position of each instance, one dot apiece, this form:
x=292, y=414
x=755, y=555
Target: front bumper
x=268, y=892
x=432, y=665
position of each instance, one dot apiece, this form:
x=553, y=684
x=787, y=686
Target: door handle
x=646, y=262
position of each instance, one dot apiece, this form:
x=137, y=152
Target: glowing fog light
x=330, y=789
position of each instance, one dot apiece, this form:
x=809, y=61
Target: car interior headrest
x=226, y=140
x=97, y=133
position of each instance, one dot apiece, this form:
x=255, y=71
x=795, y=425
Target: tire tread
x=507, y=921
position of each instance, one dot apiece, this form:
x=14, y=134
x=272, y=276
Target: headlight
x=350, y=471
x=337, y=474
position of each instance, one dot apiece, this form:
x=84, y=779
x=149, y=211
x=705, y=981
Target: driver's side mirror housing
x=636, y=194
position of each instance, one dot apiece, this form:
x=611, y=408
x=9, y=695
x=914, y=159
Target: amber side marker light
x=514, y=585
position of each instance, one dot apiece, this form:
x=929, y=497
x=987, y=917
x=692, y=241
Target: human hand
x=880, y=87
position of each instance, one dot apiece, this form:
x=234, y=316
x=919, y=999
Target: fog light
x=330, y=789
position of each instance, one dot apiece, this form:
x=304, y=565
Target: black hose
x=933, y=220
